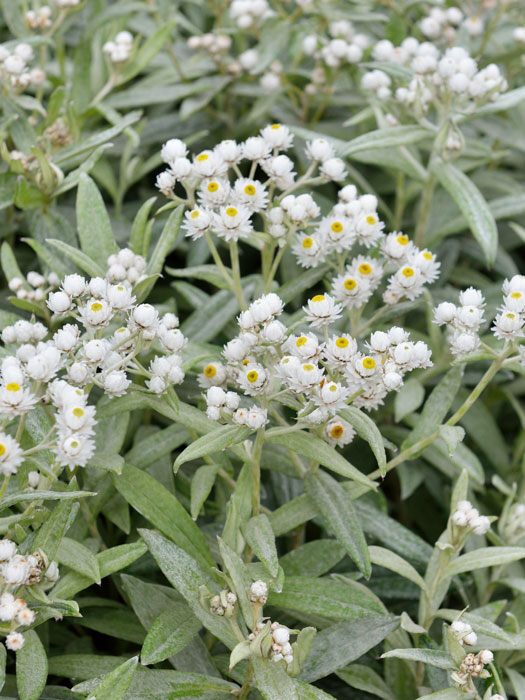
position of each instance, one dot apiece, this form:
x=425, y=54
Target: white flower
x=444, y=313
x=319, y=149
x=233, y=222
x=251, y=193
x=78, y=418
x=97, y=312
x=209, y=164
x=322, y=310
x=305, y=346
x=486, y=656
x=256, y=418
x=303, y=377
x=75, y=450
x=332, y=395
x=213, y=374
x=340, y=350
x=67, y=337
x=172, y=339
x=59, y=302
x=74, y=285
x=277, y=136
x=25, y=617
x=256, y=148
x=119, y=296
x=351, y=290
x=258, y=592
x=7, y=549
x=115, y=383
x=145, y=316
x=507, y=325
x=214, y=192
x=173, y=149
x=339, y=432
x=252, y=378
x=333, y=169
x=11, y=455
x=281, y=635
x=14, y=641
x=16, y=570
x=280, y=170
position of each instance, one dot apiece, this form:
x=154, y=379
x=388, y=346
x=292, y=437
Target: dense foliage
x=261, y=375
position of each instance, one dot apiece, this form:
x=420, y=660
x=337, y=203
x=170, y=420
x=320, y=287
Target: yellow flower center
x=371, y=219
x=408, y=272
x=516, y=295
x=318, y=298
x=78, y=412
x=246, y=361
x=332, y=388
x=275, y=126
x=3, y=449
x=428, y=255
x=337, y=227
x=13, y=386
x=202, y=157
x=252, y=376
x=210, y=371
x=342, y=342
x=73, y=443
x=250, y=190
x=96, y=306
x=231, y=211
x=213, y=186
x=510, y=316
x=308, y=242
x=350, y=283
x=195, y=214
x=364, y=269
x=308, y=367
x=302, y=340
x=402, y=239
x=369, y=362
x=337, y=431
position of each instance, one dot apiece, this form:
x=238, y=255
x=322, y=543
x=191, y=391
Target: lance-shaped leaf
x=215, y=441
x=260, y=537
x=31, y=667
x=272, y=681
x=339, y=516
x=94, y=227
x=472, y=204
x=319, y=451
x=483, y=558
x=169, y=633
x=117, y=683
x=392, y=561
x=368, y=430
x=432, y=657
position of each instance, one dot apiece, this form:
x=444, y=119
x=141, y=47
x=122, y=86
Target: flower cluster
x=341, y=45
x=441, y=23
x=464, y=633
x=438, y=76
x=463, y=321
x=472, y=666
x=249, y=13
x=18, y=570
x=318, y=377
x=14, y=67
x=467, y=518
x=509, y=322
x=34, y=287
x=100, y=350
x=120, y=48
x=223, y=604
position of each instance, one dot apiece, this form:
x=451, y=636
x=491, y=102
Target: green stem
x=423, y=214
x=217, y=260
x=256, y=471
x=236, y=272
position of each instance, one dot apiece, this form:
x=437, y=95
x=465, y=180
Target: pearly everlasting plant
x=261, y=363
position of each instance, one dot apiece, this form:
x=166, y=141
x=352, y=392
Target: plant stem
x=424, y=210
x=256, y=471
x=236, y=272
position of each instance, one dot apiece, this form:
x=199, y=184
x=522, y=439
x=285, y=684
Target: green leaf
x=318, y=450
x=169, y=633
x=31, y=667
x=9, y=501
x=366, y=679
x=436, y=406
x=3, y=657
x=116, y=684
x=326, y=598
x=53, y=529
x=94, y=227
x=432, y=657
x=166, y=243
x=389, y=560
x=10, y=266
x=139, y=236
x=163, y=510
x=81, y=260
x=185, y=574
x=408, y=399
x=483, y=558
x=312, y=558
x=338, y=645
x=368, y=430
x=237, y=571
x=260, y=537
x=201, y=485
x=339, y=516
x=76, y=556
x=220, y=439
x=390, y=137
x=518, y=682
x=472, y=204
x=272, y=681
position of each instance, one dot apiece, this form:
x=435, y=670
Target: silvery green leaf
x=483, y=558
x=389, y=560
x=339, y=517
x=116, y=684
x=472, y=205
x=452, y=436
x=169, y=633
x=368, y=430
x=272, y=681
x=408, y=399
x=221, y=438
x=432, y=657
x=389, y=137
x=94, y=227
x=260, y=537
x=31, y=667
